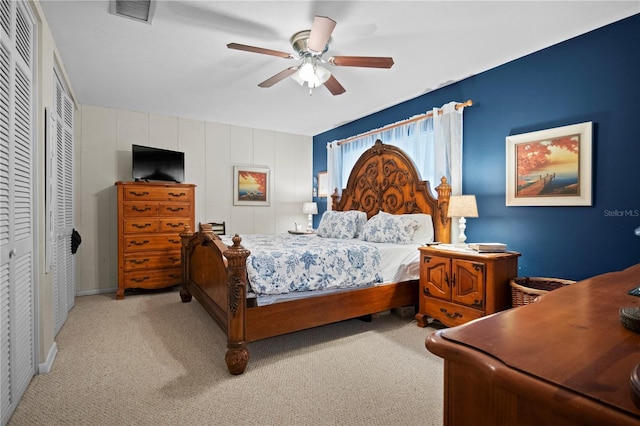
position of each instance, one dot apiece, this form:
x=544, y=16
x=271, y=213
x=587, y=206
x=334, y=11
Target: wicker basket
x=525, y=290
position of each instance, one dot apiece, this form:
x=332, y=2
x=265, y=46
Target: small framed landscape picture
x=251, y=186
x=323, y=184
x=550, y=167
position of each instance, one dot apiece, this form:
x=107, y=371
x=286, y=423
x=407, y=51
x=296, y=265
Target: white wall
x=211, y=150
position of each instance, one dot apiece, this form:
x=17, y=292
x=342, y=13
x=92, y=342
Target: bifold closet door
x=17, y=154
x=63, y=262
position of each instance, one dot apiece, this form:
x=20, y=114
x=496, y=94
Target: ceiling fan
x=310, y=45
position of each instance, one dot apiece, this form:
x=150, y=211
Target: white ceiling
x=180, y=65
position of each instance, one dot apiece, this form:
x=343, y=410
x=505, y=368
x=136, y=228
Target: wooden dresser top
x=572, y=337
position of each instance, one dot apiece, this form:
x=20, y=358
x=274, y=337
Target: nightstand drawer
x=449, y=313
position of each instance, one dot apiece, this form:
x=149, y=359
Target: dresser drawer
x=139, y=209
x=144, y=193
x=133, y=226
x=173, y=209
x=140, y=261
x=153, y=278
x=143, y=242
x=174, y=224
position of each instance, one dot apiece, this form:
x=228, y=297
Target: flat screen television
x=150, y=163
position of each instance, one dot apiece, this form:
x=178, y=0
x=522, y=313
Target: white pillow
x=347, y=224
x=388, y=228
x=424, y=233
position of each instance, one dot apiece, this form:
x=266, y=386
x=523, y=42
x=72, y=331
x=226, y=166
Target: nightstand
x=457, y=286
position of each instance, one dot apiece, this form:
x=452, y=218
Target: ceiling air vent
x=139, y=10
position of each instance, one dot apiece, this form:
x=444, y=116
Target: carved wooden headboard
x=385, y=178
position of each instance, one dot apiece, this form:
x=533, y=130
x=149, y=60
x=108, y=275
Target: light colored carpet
x=151, y=360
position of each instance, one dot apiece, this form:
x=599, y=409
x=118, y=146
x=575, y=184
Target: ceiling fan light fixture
x=306, y=71
x=322, y=73
x=296, y=77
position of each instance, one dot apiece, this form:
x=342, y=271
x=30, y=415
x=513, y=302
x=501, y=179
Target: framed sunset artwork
x=251, y=186
x=550, y=167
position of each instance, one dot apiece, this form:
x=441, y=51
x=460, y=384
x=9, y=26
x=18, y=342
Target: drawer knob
x=175, y=225
x=174, y=259
x=174, y=241
x=141, y=226
x=181, y=194
x=138, y=261
x=139, y=280
x=139, y=194
x=175, y=209
x=137, y=209
x=140, y=243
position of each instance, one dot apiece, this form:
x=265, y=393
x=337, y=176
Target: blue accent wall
x=594, y=77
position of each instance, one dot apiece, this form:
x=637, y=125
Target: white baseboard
x=46, y=366
x=98, y=291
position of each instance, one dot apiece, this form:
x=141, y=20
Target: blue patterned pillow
x=347, y=224
x=388, y=228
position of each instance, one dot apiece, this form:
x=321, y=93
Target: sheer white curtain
x=433, y=141
x=447, y=128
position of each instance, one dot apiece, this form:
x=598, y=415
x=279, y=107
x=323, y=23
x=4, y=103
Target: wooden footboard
x=216, y=275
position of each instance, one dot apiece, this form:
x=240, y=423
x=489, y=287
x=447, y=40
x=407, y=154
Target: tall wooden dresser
x=151, y=216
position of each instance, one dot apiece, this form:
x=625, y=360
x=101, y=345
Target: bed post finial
x=444, y=224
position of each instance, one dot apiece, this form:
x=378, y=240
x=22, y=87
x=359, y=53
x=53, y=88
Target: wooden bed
x=383, y=179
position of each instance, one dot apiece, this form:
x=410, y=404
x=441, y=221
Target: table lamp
x=462, y=206
x=310, y=209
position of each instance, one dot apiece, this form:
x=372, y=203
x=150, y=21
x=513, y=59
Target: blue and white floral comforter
x=286, y=263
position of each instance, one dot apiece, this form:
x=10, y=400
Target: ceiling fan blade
x=361, y=61
x=334, y=86
x=264, y=51
x=278, y=77
x=320, y=33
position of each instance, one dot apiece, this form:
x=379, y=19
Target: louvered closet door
x=17, y=302
x=63, y=260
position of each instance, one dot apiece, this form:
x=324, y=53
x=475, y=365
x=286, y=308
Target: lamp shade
x=462, y=206
x=310, y=208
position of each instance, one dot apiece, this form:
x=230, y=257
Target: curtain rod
x=402, y=123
